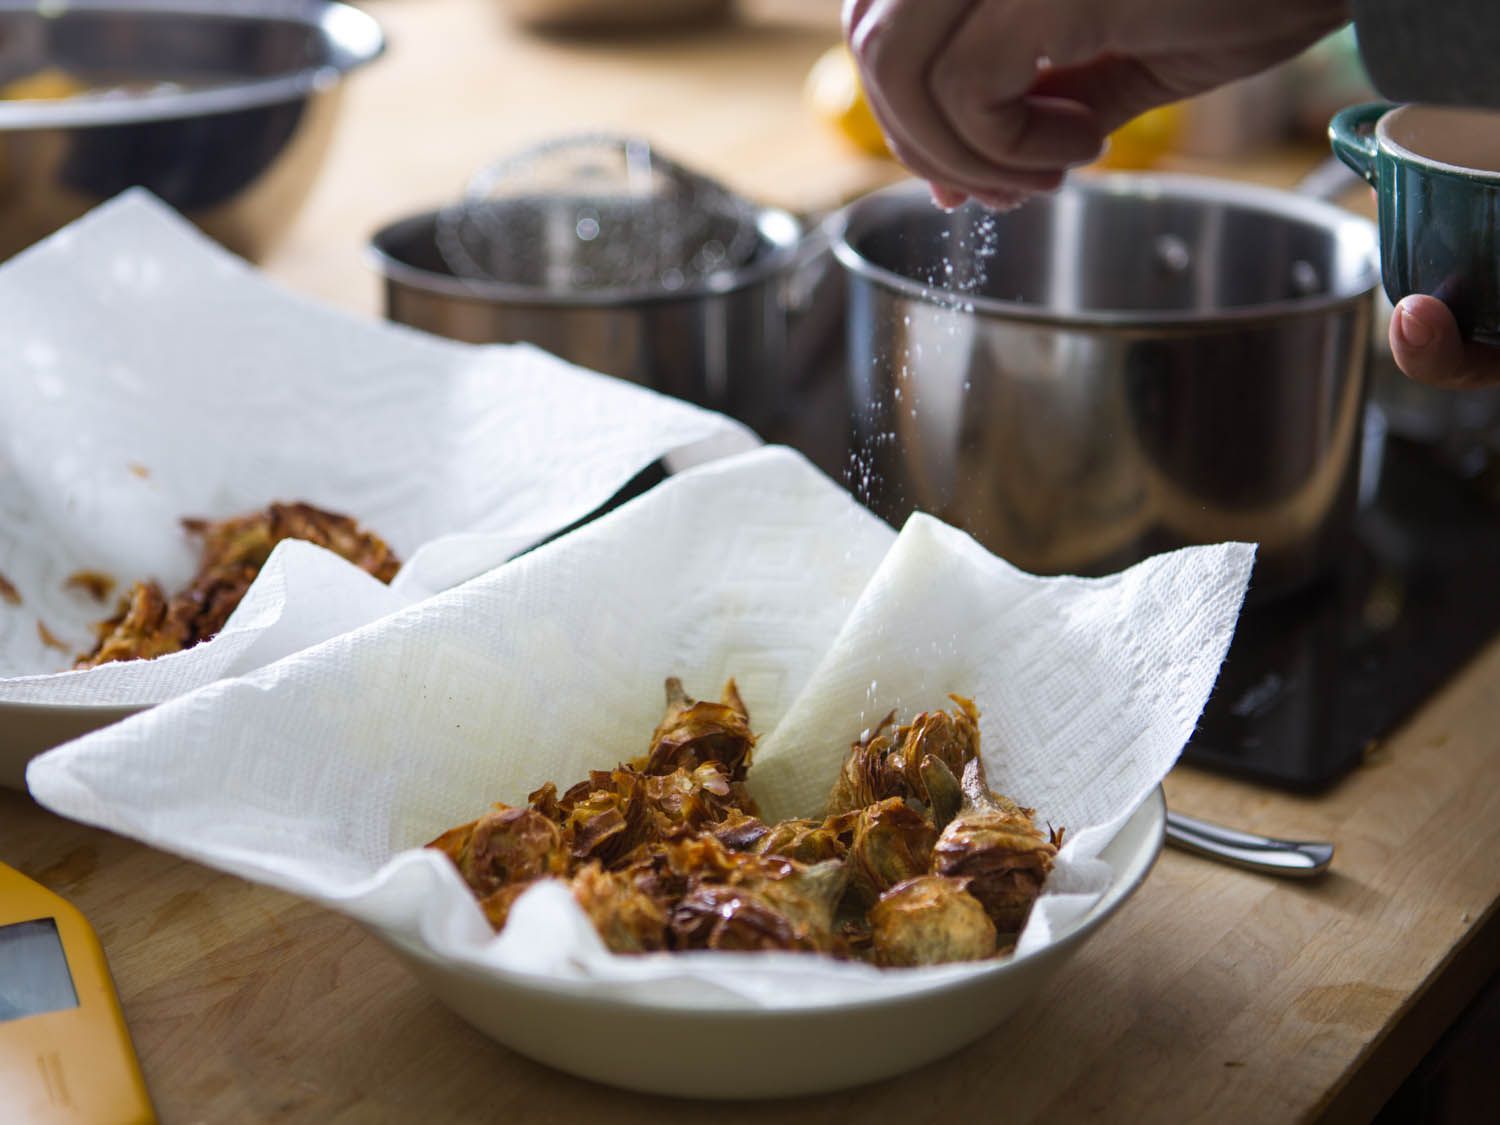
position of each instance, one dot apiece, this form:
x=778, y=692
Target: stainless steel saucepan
x=604, y=251
x=1132, y=364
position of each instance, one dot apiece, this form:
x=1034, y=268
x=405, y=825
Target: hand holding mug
x=1428, y=346
x=1436, y=173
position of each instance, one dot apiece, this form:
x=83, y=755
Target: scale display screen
x=34, y=976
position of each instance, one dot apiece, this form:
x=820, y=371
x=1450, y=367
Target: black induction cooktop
x=1313, y=682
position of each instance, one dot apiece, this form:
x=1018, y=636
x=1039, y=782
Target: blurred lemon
x=1142, y=142
x=835, y=94
x=47, y=85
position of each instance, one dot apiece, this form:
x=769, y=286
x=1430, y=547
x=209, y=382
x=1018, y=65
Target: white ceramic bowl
x=27, y=729
x=746, y=1052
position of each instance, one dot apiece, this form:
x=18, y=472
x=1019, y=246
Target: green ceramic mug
x=1436, y=171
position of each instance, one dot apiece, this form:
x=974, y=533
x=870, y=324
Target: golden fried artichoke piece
x=765, y=903
x=687, y=801
x=610, y=815
x=806, y=841
x=248, y=540
x=234, y=550
x=337, y=533
x=930, y=920
x=628, y=919
x=650, y=871
x=605, y=817
x=721, y=899
x=920, y=762
x=238, y=541
x=232, y=553
x=206, y=604
x=740, y=832
x=890, y=842
x=714, y=916
x=504, y=847
x=994, y=844
x=143, y=627
x=809, y=895
x=694, y=732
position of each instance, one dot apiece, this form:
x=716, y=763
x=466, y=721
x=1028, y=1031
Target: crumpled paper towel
x=149, y=375
x=321, y=773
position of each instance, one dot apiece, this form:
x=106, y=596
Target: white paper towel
x=320, y=773
x=149, y=375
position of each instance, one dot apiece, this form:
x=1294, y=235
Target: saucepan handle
x=1352, y=135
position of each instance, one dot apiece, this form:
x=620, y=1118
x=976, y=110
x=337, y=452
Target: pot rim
x=1337, y=222
x=351, y=37
x=779, y=229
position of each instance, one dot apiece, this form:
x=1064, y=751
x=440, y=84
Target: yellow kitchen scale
x=65, y=1053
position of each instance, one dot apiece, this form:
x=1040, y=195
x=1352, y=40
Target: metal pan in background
x=720, y=342
x=1133, y=364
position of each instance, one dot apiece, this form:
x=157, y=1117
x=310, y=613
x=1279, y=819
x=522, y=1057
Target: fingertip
x=1003, y=201
x=1425, y=341
x=1414, y=325
x=947, y=198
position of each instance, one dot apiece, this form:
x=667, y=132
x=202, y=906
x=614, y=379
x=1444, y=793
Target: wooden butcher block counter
x=1215, y=994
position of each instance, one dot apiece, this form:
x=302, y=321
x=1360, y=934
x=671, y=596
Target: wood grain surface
x=1214, y=994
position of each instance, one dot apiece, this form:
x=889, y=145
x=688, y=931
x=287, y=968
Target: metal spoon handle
x=1296, y=859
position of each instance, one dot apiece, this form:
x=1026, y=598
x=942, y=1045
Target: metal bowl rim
x=1283, y=204
x=354, y=36
x=779, y=228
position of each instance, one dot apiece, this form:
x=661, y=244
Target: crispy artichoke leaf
x=806, y=841
x=864, y=777
x=694, y=732
x=741, y=831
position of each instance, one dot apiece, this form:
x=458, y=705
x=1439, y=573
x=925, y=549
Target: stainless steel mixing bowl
x=720, y=342
x=234, y=142
x=1138, y=363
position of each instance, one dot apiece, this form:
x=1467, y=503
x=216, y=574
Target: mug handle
x=1352, y=135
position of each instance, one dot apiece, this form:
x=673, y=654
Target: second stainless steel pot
x=719, y=342
x=1130, y=365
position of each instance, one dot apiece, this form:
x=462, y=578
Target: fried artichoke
x=504, y=846
x=889, y=842
x=142, y=628
x=694, y=732
x=740, y=900
x=612, y=814
x=920, y=762
x=930, y=920
x=628, y=919
x=605, y=818
x=149, y=624
x=994, y=844
x=911, y=866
